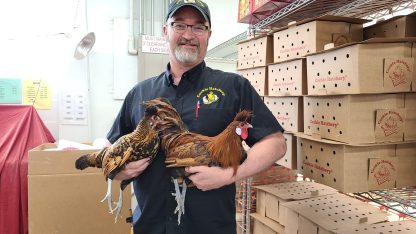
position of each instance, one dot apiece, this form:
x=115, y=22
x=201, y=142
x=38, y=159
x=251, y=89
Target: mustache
x=184, y=41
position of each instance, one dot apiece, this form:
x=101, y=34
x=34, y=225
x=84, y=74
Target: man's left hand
x=207, y=178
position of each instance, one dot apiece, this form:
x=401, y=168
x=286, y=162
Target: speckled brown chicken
x=143, y=142
x=183, y=148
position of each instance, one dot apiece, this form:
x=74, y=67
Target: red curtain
x=21, y=129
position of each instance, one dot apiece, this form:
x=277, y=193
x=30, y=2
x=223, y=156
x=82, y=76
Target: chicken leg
x=119, y=205
x=180, y=198
x=108, y=195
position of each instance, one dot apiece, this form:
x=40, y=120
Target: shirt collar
x=192, y=74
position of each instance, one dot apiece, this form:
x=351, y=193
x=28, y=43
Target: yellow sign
x=37, y=93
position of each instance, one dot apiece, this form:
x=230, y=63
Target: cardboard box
x=255, y=52
x=287, y=78
x=264, y=225
x=348, y=168
x=245, y=12
x=270, y=197
x=373, y=66
x=403, y=227
x=311, y=35
x=62, y=199
x=327, y=214
x=410, y=103
x=288, y=111
x=377, y=117
x=289, y=160
x=265, y=8
x=257, y=77
x=398, y=26
x=406, y=155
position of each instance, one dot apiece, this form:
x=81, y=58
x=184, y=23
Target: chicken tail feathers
x=82, y=162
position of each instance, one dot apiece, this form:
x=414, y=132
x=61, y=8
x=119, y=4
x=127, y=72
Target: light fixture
x=84, y=46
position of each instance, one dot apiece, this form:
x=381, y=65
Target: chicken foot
x=180, y=199
x=108, y=196
x=118, y=207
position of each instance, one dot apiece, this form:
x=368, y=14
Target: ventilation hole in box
x=278, y=57
x=267, y=102
x=287, y=68
x=323, y=117
x=313, y=62
x=329, y=130
x=348, y=55
x=285, y=160
x=313, y=116
x=307, y=51
x=291, y=103
x=316, y=160
x=278, y=38
x=283, y=46
x=317, y=104
x=322, y=149
x=256, y=81
x=259, y=72
x=261, y=60
x=313, y=86
x=311, y=171
x=251, y=54
x=287, y=113
x=308, y=103
x=248, y=46
x=296, y=88
x=287, y=89
x=335, y=180
x=340, y=132
x=317, y=128
x=283, y=79
x=327, y=164
x=317, y=74
x=310, y=146
x=287, y=35
x=335, y=85
x=292, y=44
x=335, y=58
x=291, y=78
x=309, y=127
x=329, y=72
x=291, y=124
x=253, y=73
x=275, y=80
x=323, y=60
x=306, y=156
x=254, y=44
x=323, y=86
x=297, y=53
x=334, y=152
x=287, y=55
x=327, y=104
x=301, y=144
x=322, y=175
x=303, y=42
x=261, y=43
x=339, y=104
x=257, y=52
x=307, y=30
x=333, y=117
x=278, y=112
x=283, y=103
x=342, y=71
x=349, y=84
x=279, y=89
x=274, y=103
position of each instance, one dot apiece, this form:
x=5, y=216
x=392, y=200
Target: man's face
x=186, y=47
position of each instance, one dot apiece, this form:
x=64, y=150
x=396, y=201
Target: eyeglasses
x=197, y=29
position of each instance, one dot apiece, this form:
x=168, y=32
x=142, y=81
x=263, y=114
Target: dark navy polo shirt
x=207, y=101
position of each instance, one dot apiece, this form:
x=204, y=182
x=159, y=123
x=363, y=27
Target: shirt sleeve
x=263, y=121
x=122, y=124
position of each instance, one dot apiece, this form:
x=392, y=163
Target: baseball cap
x=201, y=6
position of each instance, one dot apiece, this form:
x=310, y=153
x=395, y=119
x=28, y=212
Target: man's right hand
x=133, y=169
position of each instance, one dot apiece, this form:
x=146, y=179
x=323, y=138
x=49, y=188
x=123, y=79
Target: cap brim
x=191, y=5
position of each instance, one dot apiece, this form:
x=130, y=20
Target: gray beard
x=185, y=56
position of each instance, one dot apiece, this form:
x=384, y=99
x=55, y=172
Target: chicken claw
x=108, y=196
x=180, y=199
x=118, y=207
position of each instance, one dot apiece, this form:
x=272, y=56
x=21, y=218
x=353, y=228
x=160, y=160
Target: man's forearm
x=262, y=155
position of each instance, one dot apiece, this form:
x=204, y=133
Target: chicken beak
x=249, y=126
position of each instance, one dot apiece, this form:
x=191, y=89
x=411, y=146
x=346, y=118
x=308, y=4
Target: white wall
x=38, y=39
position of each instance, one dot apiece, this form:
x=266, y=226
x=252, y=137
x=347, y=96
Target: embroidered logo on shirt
x=210, y=95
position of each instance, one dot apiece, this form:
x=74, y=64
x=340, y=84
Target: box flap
x=268, y=222
x=336, y=211
x=391, y=19
x=43, y=160
x=287, y=61
x=297, y=190
x=403, y=227
x=332, y=18
x=371, y=41
x=252, y=39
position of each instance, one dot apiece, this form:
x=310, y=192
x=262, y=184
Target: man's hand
x=132, y=169
x=207, y=178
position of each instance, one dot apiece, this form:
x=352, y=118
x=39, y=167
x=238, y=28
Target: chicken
x=183, y=148
x=143, y=142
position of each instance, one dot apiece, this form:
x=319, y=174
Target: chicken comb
x=243, y=116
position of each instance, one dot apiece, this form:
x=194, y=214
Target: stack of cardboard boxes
x=348, y=106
